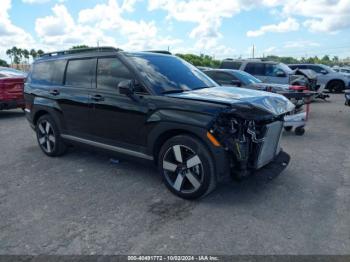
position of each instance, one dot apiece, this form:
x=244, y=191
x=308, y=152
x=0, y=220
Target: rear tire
x=336, y=86
x=187, y=167
x=49, y=137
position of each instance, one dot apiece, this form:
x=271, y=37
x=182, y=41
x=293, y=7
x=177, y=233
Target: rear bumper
x=11, y=104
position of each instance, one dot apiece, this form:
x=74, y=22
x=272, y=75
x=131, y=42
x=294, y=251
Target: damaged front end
x=252, y=144
x=250, y=137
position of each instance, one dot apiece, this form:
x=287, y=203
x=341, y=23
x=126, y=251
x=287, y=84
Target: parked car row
x=11, y=88
x=320, y=76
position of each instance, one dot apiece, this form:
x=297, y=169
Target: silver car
x=326, y=76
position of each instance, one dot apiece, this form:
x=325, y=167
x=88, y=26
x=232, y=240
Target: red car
x=11, y=88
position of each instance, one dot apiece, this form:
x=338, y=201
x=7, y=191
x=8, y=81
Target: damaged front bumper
x=250, y=145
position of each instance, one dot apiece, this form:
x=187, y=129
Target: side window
x=317, y=69
x=273, y=70
x=57, y=71
x=41, y=73
x=110, y=72
x=80, y=72
x=230, y=65
x=224, y=77
x=255, y=69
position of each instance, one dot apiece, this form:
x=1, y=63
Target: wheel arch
x=330, y=82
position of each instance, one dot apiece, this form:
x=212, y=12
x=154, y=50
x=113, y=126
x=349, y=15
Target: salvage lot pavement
x=84, y=204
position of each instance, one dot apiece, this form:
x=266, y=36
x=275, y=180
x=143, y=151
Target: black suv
x=155, y=107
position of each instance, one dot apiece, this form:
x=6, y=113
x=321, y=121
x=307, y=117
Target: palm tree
x=9, y=53
x=33, y=54
x=26, y=55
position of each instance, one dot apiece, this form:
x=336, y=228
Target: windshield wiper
x=173, y=91
x=202, y=87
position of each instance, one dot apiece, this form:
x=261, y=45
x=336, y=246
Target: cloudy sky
x=223, y=28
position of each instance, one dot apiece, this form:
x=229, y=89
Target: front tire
x=187, y=167
x=48, y=136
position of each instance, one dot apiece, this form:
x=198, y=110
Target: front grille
x=270, y=147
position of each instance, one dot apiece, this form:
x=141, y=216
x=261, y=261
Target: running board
x=108, y=147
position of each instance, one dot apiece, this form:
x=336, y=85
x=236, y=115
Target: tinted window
x=273, y=70
x=298, y=66
x=230, y=65
x=80, y=72
x=221, y=76
x=49, y=72
x=246, y=78
x=169, y=73
x=111, y=71
x=255, y=69
x=317, y=69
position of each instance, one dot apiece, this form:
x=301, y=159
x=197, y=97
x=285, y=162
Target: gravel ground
x=84, y=204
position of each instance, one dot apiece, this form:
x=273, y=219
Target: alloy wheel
x=183, y=169
x=46, y=136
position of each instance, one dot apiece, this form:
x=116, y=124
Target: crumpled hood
x=270, y=102
x=275, y=87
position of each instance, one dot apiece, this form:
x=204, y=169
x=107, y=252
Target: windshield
x=246, y=78
x=328, y=68
x=285, y=68
x=168, y=74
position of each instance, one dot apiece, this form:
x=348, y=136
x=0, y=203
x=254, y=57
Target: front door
x=117, y=119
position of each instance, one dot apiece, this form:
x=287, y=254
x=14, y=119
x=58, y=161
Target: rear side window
x=48, y=72
x=80, y=72
x=110, y=72
x=230, y=65
x=317, y=69
x=225, y=77
x=255, y=69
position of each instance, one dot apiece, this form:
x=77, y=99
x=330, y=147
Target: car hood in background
x=266, y=86
x=269, y=102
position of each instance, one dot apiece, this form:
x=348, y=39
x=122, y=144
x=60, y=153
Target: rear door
x=74, y=96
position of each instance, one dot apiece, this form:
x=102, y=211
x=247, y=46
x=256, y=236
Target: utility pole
x=253, y=51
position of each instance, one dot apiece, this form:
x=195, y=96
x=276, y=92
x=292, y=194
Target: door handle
x=54, y=92
x=98, y=98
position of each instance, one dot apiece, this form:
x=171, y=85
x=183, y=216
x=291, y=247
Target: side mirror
x=280, y=73
x=324, y=72
x=126, y=87
x=236, y=83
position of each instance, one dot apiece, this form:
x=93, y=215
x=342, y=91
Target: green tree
x=40, y=52
x=9, y=53
x=33, y=54
x=79, y=47
x=26, y=55
x=201, y=60
x=3, y=63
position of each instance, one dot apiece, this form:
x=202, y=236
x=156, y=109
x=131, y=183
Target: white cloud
x=300, y=44
x=11, y=34
x=206, y=15
x=35, y=1
x=286, y=26
x=60, y=31
x=103, y=23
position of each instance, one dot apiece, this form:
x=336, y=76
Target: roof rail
x=82, y=50
x=165, y=52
